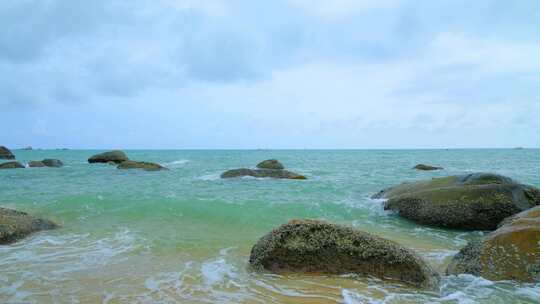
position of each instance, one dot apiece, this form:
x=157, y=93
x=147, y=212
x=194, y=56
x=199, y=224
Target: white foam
x=210, y=177
x=350, y=297
x=532, y=292
x=176, y=163
x=218, y=270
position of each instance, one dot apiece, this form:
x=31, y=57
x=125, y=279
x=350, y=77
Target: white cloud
x=336, y=9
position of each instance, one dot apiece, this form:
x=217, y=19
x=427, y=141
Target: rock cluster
x=268, y=168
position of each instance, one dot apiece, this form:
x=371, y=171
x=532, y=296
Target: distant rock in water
x=511, y=252
x=115, y=156
x=268, y=168
x=478, y=201
x=270, y=164
x=15, y=225
x=36, y=164
x=262, y=173
x=5, y=153
x=318, y=247
x=27, y=148
x=130, y=164
x=427, y=167
x=55, y=163
x=11, y=165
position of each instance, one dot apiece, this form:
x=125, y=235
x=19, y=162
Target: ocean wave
x=176, y=163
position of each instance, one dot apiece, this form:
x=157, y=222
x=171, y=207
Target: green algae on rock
x=15, y=225
x=318, y=247
x=270, y=164
x=5, y=153
x=424, y=167
x=115, y=156
x=147, y=166
x=11, y=165
x=478, y=201
x=511, y=252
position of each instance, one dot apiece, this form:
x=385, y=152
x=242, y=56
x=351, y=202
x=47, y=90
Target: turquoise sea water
x=184, y=235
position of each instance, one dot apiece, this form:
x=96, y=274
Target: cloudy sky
x=269, y=74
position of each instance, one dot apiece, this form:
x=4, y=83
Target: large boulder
x=318, y=247
x=15, y=225
x=511, y=252
x=5, y=153
x=478, y=201
x=424, y=167
x=130, y=164
x=262, y=173
x=11, y=165
x=115, y=156
x=270, y=164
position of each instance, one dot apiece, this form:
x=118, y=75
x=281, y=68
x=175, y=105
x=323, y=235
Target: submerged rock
x=478, y=201
x=427, y=167
x=270, y=164
x=511, y=252
x=130, y=164
x=115, y=156
x=15, y=225
x=318, y=247
x=5, y=153
x=262, y=173
x=55, y=163
x=11, y=165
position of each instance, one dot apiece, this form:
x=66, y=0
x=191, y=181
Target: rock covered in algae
x=511, y=252
x=147, y=166
x=15, y=225
x=478, y=201
x=11, y=165
x=5, y=153
x=270, y=164
x=115, y=156
x=318, y=247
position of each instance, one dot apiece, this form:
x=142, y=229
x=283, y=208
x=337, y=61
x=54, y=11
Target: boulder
x=262, y=173
x=511, y=252
x=115, y=156
x=270, y=164
x=478, y=201
x=427, y=167
x=36, y=164
x=130, y=164
x=11, y=165
x=55, y=163
x=318, y=247
x=5, y=153
x=15, y=225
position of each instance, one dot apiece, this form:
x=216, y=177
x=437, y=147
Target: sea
x=185, y=235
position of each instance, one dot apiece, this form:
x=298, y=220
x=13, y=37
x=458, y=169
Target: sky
x=280, y=74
